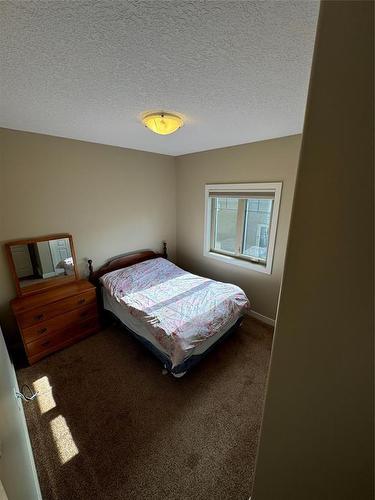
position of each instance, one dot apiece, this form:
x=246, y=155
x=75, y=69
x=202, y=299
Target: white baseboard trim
x=263, y=319
x=48, y=275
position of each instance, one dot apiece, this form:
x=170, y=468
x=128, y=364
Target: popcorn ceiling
x=238, y=71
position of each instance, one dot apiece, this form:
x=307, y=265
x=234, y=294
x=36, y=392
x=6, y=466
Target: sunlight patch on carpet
x=45, y=397
x=65, y=444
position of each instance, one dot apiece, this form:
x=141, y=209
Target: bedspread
x=179, y=309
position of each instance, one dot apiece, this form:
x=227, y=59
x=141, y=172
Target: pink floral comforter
x=179, y=309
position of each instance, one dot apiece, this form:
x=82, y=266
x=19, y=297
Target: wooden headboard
x=123, y=261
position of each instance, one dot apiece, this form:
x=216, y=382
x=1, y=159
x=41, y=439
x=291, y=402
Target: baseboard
x=48, y=275
x=263, y=319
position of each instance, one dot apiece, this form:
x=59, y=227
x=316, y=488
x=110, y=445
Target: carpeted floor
x=109, y=425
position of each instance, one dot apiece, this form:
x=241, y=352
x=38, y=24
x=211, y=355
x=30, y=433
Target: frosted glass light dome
x=162, y=123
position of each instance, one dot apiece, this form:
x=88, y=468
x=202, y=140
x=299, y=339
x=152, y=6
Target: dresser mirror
x=40, y=263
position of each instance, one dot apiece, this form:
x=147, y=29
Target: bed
x=177, y=315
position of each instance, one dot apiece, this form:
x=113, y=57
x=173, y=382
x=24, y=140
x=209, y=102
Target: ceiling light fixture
x=162, y=123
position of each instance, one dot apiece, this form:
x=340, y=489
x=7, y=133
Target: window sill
x=252, y=266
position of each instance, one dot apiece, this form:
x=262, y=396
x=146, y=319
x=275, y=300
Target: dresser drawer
x=58, y=323
x=54, y=341
x=48, y=311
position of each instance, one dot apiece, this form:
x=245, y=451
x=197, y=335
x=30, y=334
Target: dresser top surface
x=21, y=304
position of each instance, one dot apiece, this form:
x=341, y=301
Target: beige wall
x=111, y=200
x=273, y=160
x=317, y=431
x=114, y=200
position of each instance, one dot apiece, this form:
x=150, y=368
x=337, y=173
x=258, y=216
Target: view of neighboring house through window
x=257, y=224
x=224, y=223
x=241, y=223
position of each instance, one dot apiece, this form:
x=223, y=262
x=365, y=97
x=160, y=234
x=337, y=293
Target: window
x=241, y=222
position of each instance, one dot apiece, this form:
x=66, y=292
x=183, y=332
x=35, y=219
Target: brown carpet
x=109, y=425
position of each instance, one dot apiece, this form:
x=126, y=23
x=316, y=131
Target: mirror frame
x=50, y=283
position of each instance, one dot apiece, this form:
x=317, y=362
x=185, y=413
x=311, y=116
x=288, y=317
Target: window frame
x=237, y=259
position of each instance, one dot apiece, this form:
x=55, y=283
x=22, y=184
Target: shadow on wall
x=7, y=289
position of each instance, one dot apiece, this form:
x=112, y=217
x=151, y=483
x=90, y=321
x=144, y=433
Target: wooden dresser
x=55, y=318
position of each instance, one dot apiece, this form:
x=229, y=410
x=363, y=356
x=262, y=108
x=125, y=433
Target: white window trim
x=276, y=188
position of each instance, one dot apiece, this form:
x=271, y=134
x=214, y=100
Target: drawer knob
x=39, y=316
x=46, y=343
x=81, y=301
x=83, y=314
x=42, y=330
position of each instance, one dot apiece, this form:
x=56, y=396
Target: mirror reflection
x=40, y=261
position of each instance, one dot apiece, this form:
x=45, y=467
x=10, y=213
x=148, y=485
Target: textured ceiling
x=236, y=70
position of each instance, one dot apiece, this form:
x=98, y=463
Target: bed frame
x=127, y=260
x=124, y=260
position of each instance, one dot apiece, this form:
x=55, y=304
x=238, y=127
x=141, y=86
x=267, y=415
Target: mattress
x=139, y=327
x=179, y=313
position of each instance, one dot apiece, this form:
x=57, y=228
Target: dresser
x=55, y=318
